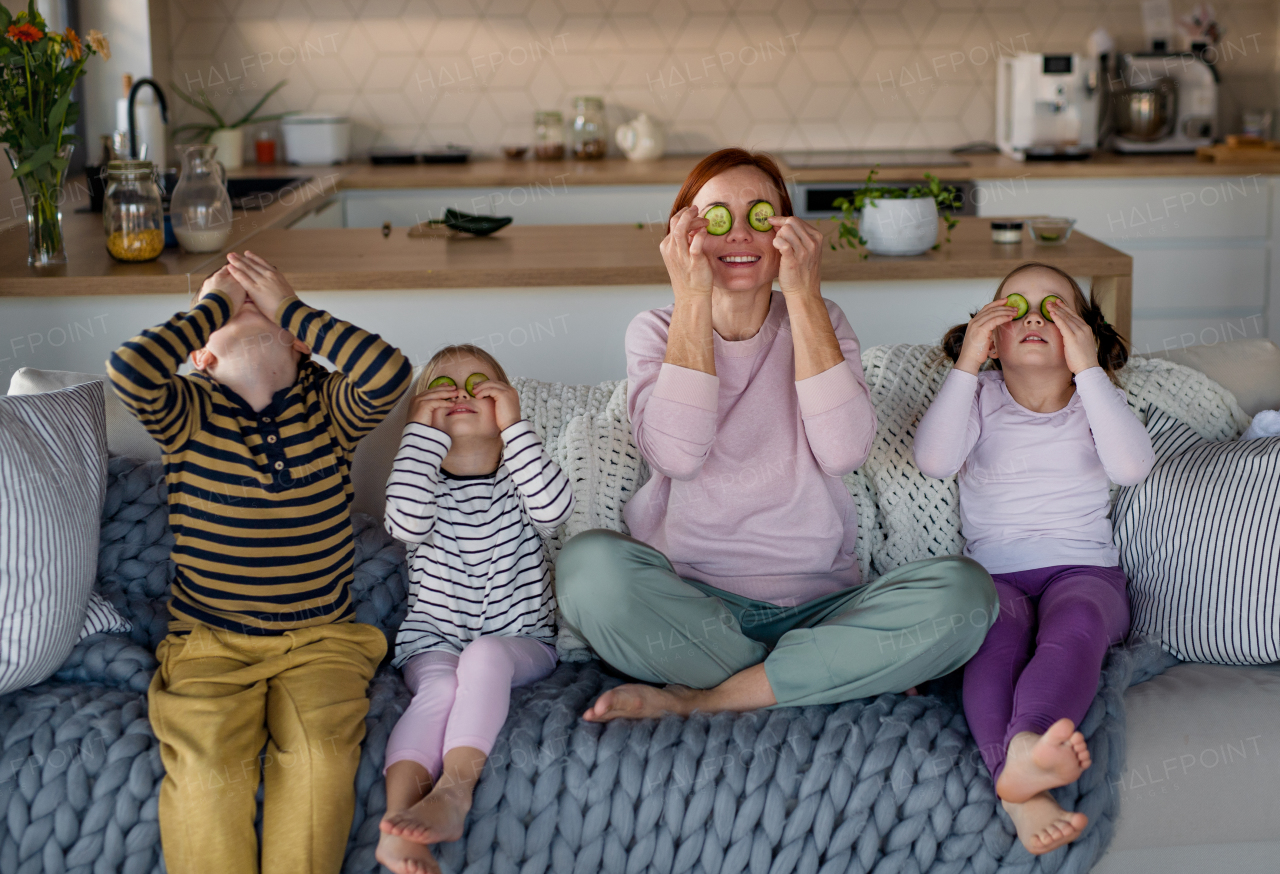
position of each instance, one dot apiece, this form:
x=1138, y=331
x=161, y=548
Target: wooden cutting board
x=1241, y=150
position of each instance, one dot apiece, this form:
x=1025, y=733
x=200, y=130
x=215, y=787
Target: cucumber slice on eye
x=474, y=380
x=441, y=382
x=758, y=215
x=1044, y=305
x=721, y=220
x=1019, y=303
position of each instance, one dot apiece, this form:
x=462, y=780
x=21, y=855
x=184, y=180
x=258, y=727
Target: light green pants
x=915, y=623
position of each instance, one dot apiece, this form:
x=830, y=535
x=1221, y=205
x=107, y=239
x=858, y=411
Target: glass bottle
x=200, y=207
x=132, y=215
x=548, y=135
x=589, y=142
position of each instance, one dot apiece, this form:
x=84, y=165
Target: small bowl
x=1051, y=231
x=514, y=153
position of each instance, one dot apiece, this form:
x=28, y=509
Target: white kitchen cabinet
x=1203, y=248
x=553, y=203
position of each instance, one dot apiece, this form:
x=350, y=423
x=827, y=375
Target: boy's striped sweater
x=259, y=502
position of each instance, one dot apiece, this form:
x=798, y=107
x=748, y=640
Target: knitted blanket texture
x=891, y=784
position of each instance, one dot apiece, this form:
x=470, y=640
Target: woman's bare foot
x=403, y=856
x=1043, y=825
x=1037, y=762
x=640, y=701
x=438, y=817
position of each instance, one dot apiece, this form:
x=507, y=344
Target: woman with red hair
x=739, y=587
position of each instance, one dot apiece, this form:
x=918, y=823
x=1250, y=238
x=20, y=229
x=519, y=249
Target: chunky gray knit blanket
x=888, y=785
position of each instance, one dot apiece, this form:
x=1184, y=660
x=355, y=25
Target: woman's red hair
x=726, y=159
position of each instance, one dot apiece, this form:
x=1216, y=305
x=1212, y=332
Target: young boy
x=262, y=649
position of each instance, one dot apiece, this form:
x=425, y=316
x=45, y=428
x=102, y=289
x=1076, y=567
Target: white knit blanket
x=903, y=515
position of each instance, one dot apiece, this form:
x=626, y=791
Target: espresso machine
x=1163, y=103
x=1047, y=106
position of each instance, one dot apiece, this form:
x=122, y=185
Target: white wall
x=125, y=22
x=564, y=334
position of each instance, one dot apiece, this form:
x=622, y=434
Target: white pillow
x=53, y=477
x=1199, y=541
x=125, y=434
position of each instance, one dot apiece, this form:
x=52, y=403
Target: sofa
x=1188, y=755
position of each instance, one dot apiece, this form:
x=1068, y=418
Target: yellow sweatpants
x=216, y=700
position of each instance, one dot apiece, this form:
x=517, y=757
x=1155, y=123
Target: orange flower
x=74, y=47
x=24, y=32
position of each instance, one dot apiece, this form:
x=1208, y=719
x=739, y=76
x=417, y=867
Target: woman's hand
x=687, y=265
x=506, y=402
x=1078, y=340
x=977, y=336
x=801, y=246
x=423, y=406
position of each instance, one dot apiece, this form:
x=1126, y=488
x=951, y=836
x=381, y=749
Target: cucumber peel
x=759, y=214
x=474, y=380
x=1044, y=305
x=1019, y=303
x=441, y=382
x=721, y=220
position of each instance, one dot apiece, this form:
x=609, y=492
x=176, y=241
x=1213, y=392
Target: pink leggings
x=462, y=700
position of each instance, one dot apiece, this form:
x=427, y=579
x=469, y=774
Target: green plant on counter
x=847, y=234
x=200, y=100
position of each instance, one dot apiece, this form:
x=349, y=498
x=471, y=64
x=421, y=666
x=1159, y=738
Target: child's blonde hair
x=456, y=351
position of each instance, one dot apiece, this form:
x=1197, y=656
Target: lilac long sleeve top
x=1033, y=486
x=746, y=492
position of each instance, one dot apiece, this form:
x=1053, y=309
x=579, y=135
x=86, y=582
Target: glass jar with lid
x=132, y=215
x=589, y=141
x=548, y=135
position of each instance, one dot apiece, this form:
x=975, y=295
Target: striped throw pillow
x=1199, y=540
x=53, y=476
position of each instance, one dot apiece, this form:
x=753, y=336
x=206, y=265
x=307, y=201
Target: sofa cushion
x=1203, y=759
x=1249, y=369
x=125, y=435
x=1199, y=540
x=53, y=450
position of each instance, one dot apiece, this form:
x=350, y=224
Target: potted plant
x=229, y=138
x=896, y=221
x=37, y=72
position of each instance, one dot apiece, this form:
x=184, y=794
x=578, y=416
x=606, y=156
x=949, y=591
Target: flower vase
x=42, y=194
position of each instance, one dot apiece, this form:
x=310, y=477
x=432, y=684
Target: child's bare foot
x=640, y=701
x=438, y=817
x=403, y=856
x=1043, y=825
x=1037, y=762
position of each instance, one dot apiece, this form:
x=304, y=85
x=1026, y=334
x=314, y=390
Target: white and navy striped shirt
x=476, y=564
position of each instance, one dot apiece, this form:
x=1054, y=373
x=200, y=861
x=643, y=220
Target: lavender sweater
x=746, y=492
x=1033, y=486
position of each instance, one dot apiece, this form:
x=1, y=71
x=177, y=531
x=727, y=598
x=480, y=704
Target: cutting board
x=1241, y=150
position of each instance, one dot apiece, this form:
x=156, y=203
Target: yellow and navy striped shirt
x=259, y=502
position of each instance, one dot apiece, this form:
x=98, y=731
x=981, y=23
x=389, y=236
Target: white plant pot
x=230, y=143
x=900, y=227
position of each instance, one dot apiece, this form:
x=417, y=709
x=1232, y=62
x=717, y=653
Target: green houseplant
x=901, y=221
x=38, y=69
x=227, y=136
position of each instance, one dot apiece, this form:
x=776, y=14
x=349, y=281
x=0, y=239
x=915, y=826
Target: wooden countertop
x=548, y=255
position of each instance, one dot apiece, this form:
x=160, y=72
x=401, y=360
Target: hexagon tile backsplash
x=773, y=74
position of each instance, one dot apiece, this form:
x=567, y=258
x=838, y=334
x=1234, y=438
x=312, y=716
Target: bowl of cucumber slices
x=1051, y=231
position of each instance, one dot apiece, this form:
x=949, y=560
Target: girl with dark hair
x=1037, y=439
x=739, y=585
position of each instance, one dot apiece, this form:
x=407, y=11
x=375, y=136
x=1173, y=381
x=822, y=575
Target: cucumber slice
x=1044, y=305
x=474, y=380
x=721, y=220
x=441, y=382
x=758, y=215
x=1019, y=303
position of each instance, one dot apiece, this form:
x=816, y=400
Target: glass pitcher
x=200, y=207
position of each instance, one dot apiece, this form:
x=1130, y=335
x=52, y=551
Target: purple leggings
x=1042, y=658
